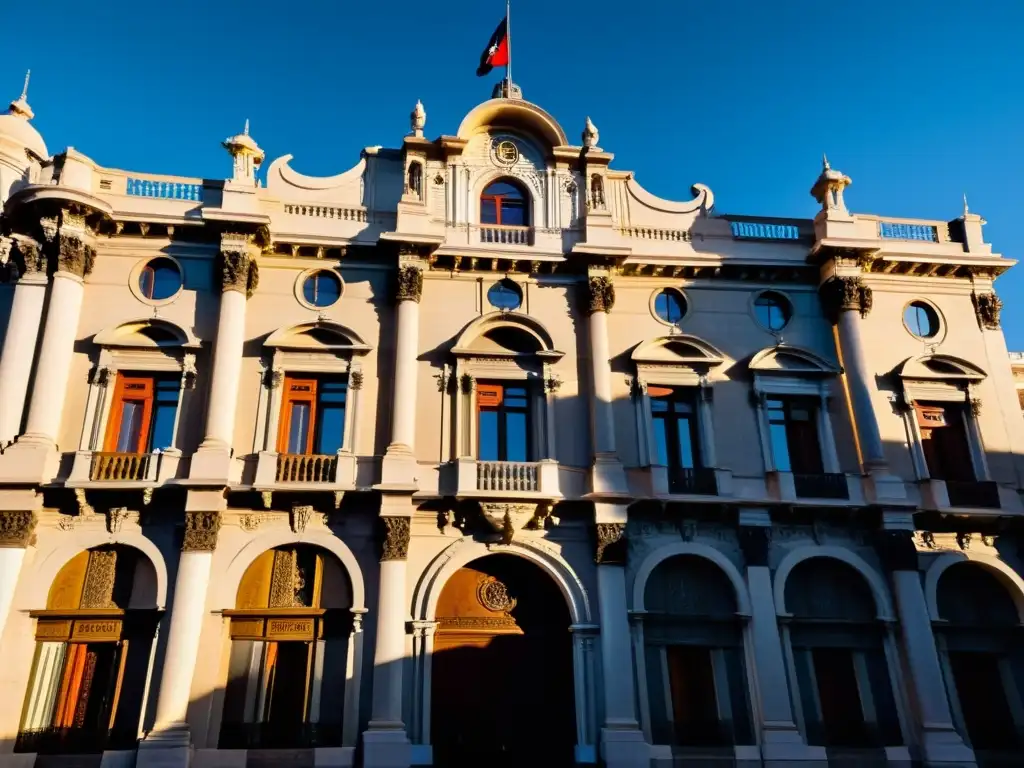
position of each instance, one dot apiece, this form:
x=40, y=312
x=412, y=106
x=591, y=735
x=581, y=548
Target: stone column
x=781, y=740
x=168, y=743
x=399, y=463
x=608, y=475
x=74, y=260
x=16, y=530
x=622, y=741
x=385, y=743
x=941, y=744
x=24, y=260
x=238, y=276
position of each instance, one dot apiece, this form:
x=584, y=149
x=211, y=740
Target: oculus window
x=773, y=311
x=669, y=305
x=321, y=288
x=505, y=295
x=921, y=320
x=160, y=279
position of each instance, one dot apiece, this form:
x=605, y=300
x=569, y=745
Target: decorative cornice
x=844, y=294
x=396, y=538
x=987, y=307
x=409, y=283
x=600, y=294
x=611, y=544
x=201, y=531
x=17, y=528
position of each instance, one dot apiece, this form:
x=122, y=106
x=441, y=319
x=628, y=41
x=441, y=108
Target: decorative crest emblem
x=506, y=152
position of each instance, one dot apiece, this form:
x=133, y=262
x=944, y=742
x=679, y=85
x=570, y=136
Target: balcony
x=973, y=493
x=827, y=485
x=699, y=481
x=333, y=471
x=132, y=469
x=538, y=479
x=497, y=234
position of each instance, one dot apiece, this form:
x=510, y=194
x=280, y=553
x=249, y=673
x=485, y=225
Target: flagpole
x=508, y=35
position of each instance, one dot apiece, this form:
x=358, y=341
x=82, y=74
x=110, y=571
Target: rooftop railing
x=164, y=190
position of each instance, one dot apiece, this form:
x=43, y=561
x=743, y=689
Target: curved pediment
x=791, y=360
x=681, y=350
x=506, y=334
x=513, y=113
x=321, y=335
x=146, y=333
x=703, y=199
x=940, y=367
x=281, y=177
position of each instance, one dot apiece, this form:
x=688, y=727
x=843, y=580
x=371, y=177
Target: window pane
x=298, y=428
x=515, y=397
x=131, y=424
x=503, y=188
x=685, y=443
x=146, y=282
x=162, y=431
x=515, y=437
x=513, y=213
x=488, y=211
x=488, y=437
x=780, y=446
x=669, y=306
x=660, y=442
x=659, y=406
x=331, y=429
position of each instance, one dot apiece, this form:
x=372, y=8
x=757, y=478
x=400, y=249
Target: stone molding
x=611, y=544
x=17, y=528
x=987, y=307
x=845, y=294
x=409, y=284
x=397, y=531
x=201, y=531
x=600, y=294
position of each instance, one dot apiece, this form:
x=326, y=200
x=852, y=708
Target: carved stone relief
x=987, y=307
x=396, y=538
x=201, y=531
x=600, y=294
x=300, y=517
x=844, y=294
x=611, y=544
x=16, y=528
x=98, y=589
x=238, y=271
x=409, y=283
x=493, y=595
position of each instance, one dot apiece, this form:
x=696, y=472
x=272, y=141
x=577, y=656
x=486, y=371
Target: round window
x=921, y=319
x=160, y=279
x=321, y=288
x=772, y=310
x=669, y=305
x=505, y=295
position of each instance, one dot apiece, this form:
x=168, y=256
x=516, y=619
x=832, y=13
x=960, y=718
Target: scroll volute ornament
x=409, y=283
x=845, y=294
x=600, y=295
x=987, y=307
x=396, y=538
x=17, y=528
x=611, y=544
x=201, y=530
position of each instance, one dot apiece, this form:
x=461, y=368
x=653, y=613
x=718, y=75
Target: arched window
x=415, y=182
x=979, y=646
x=842, y=676
x=506, y=203
x=693, y=654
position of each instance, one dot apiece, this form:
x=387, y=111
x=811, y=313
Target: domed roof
x=15, y=125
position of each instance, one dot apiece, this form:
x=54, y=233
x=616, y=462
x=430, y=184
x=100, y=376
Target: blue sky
x=917, y=101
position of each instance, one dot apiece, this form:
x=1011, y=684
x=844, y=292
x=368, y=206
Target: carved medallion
x=493, y=595
x=505, y=152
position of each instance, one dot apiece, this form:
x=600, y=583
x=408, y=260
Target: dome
x=21, y=131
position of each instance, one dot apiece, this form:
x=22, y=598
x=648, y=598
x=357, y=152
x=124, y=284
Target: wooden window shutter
x=127, y=390
x=489, y=395
x=297, y=391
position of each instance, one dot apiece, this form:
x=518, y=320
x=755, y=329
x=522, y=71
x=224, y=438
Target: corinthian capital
x=600, y=294
x=74, y=255
x=845, y=294
x=409, y=286
x=237, y=267
x=16, y=528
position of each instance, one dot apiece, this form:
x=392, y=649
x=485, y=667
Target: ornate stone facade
x=16, y=528
x=987, y=307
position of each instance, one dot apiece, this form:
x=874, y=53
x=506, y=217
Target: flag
x=496, y=52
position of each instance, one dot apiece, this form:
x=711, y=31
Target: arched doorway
x=502, y=681
x=93, y=645
x=979, y=644
x=290, y=633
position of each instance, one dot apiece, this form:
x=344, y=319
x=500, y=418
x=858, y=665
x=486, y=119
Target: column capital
x=987, y=307
x=236, y=263
x=201, y=530
x=756, y=542
x=17, y=528
x=396, y=538
x=611, y=544
x=408, y=283
x=841, y=294
x=897, y=550
x=600, y=294
x=20, y=256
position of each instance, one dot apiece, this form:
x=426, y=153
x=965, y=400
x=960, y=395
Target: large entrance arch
x=502, y=682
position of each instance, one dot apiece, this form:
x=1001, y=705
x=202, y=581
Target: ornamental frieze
x=16, y=528
x=409, y=283
x=396, y=538
x=845, y=294
x=611, y=544
x=987, y=307
x=201, y=531
x=600, y=295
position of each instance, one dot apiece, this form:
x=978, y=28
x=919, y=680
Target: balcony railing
x=503, y=235
x=972, y=493
x=700, y=481
x=306, y=467
x=279, y=735
x=71, y=741
x=507, y=476
x=165, y=190
x=827, y=485
x=114, y=466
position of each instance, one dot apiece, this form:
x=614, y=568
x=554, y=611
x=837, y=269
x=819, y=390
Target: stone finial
x=967, y=211
x=20, y=105
x=246, y=154
x=590, y=134
x=418, y=119
x=828, y=189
